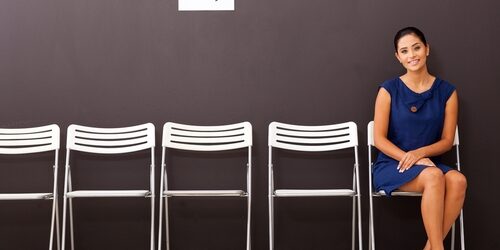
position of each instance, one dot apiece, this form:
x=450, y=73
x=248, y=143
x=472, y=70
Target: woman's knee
x=432, y=176
x=456, y=181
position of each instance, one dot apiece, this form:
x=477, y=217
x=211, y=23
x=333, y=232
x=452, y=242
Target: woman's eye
x=403, y=51
x=417, y=48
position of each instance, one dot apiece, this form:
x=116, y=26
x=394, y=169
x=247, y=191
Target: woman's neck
x=418, y=80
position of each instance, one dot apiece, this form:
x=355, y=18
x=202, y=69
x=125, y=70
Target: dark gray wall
x=123, y=62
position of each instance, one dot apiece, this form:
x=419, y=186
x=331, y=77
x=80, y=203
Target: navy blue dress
x=416, y=120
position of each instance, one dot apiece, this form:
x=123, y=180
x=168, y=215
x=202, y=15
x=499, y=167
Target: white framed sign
x=204, y=5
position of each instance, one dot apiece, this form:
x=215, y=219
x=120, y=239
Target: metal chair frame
x=315, y=139
x=371, y=237
x=25, y=141
x=107, y=141
x=204, y=139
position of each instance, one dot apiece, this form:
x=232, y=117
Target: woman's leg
x=455, y=184
x=431, y=182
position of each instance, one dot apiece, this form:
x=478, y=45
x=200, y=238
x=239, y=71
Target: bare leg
x=431, y=182
x=456, y=184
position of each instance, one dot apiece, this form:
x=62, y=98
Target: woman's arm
x=381, y=126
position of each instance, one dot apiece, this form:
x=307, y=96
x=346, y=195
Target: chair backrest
x=29, y=140
x=313, y=138
x=110, y=140
x=371, y=141
x=207, y=138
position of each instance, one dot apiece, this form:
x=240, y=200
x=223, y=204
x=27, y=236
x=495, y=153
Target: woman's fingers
x=408, y=160
x=426, y=162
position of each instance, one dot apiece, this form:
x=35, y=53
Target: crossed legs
x=442, y=199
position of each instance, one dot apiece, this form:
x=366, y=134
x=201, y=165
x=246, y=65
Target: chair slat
x=115, y=143
x=317, y=128
x=197, y=140
x=312, y=133
x=312, y=141
x=313, y=192
x=199, y=147
x=108, y=193
x=229, y=133
x=87, y=129
x=120, y=150
x=218, y=128
x=26, y=136
x=114, y=136
x=53, y=128
x=28, y=143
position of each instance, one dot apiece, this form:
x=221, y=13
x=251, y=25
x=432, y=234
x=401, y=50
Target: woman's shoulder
x=443, y=84
x=445, y=88
x=390, y=85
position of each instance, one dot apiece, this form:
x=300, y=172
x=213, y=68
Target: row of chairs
x=110, y=141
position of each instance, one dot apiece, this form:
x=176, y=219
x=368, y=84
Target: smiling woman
x=415, y=121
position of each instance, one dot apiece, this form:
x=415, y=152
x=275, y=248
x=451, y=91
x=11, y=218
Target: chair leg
x=371, y=227
x=271, y=223
x=58, y=233
x=360, y=228
x=65, y=206
x=248, y=221
x=453, y=236
x=63, y=241
x=71, y=224
x=462, y=233
x=160, y=214
x=370, y=233
x=353, y=236
x=55, y=223
x=167, y=228
x=52, y=222
x=152, y=247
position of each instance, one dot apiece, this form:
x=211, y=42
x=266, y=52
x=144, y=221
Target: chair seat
x=237, y=193
x=313, y=192
x=26, y=196
x=397, y=193
x=109, y=193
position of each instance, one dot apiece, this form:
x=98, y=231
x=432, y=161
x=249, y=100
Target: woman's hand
x=409, y=159
x=425, y=162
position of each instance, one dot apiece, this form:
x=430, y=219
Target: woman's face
x=412, y=52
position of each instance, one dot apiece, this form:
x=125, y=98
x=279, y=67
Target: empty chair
x=373, y=193
x=324, y=138
x=205, y=139
x=24, y=141
x=108, y=141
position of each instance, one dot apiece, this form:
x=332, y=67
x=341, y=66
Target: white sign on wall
x=201, y=5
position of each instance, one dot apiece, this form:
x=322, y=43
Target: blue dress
x=416, y=120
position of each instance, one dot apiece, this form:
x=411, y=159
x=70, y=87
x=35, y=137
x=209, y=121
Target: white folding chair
x=107, y=141
x=29, y=141
x=205, y=139
x=381, y=193
x=315, y=139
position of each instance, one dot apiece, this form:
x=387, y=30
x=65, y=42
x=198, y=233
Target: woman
x=415, y=120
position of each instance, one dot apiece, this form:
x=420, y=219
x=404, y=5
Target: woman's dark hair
x=407, y=31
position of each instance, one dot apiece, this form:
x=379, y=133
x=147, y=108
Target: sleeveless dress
x=416, y=120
